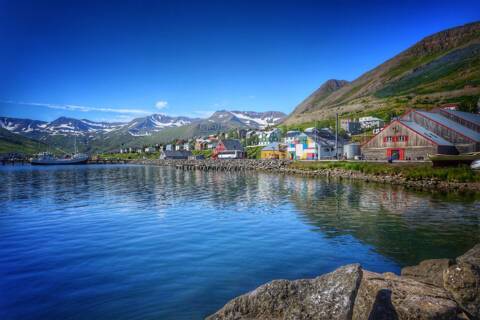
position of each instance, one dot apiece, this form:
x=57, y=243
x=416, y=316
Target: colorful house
x=274, y=150
x=290, y=138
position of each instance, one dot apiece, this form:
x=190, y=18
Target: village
x=413, y=136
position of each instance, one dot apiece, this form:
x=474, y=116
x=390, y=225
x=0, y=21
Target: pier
x=107, y=161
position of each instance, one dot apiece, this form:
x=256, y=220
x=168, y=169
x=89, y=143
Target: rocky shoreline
x=283, y=167
x=434, y=289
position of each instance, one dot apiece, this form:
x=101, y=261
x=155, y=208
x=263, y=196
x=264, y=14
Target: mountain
x=441, y=68
x=246, y=119
x=91, y=136
x=155, y=123
x=60, y=126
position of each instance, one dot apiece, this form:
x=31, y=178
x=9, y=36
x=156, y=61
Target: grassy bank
x=408, y=171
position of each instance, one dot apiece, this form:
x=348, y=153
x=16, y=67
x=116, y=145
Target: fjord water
x=144, y=242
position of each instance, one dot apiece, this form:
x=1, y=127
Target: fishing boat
x=442, y=160
x=46, y=158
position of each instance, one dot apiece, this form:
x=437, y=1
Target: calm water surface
x=136, y=242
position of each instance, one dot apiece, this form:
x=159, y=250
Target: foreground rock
x=428, y=271
x=330, y=296
x=462, y=280
x=434, y=289
x=388, y=296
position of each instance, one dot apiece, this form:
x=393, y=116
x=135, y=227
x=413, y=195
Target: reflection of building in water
x=392, y=200
x=390, y=220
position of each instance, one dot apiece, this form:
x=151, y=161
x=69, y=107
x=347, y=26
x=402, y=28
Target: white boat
x=475, y=165
x=46, y=158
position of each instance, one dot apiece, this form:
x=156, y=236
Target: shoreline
x=284, y=167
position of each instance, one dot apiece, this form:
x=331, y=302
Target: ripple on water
x=135, y=242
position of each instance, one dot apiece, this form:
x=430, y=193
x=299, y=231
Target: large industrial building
x=418, y=133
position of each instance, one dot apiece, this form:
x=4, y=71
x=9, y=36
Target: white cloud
x=71, y=107
x=161, y=104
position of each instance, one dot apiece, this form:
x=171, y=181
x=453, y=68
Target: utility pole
x=336, y=137
x=319, y=146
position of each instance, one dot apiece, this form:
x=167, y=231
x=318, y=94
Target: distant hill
x=91, y=136
x=441, y=68
x=11, y=142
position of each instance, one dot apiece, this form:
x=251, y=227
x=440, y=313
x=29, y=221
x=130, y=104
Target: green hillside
x=442, y=68
x=11, y=142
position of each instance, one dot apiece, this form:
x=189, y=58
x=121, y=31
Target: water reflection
x=136, y=242
x=403, y=225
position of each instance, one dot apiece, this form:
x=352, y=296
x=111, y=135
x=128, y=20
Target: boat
x=475, y=165
x=441, y=160
x=46, y=158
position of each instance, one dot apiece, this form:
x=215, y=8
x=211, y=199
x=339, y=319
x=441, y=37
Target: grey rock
x=330, y=296
x=388, y=296
x=428, y=271
x=463, y=282
x=472, y=256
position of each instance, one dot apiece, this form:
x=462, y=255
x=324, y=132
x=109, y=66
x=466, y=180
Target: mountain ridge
x=156, y=128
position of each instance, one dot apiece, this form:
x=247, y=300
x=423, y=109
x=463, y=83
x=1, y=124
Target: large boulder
x=463, y=281
x=388, y=296
x=472, y=256
x=330, y=296
x=428, y=271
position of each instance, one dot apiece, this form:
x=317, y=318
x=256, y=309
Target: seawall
x=284, y=167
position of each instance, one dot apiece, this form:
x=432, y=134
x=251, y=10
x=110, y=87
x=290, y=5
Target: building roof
x=425, y=133
x=467, y=116
x=469, y=133
x=292, y=133
x=232, y=144
x=274, y=146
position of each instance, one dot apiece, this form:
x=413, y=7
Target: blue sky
x=116, y=60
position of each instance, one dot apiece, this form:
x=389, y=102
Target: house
x=275, y=150
x=169, y=147
x=267, y=137
x=229, y=149
x=187, y=146
x=371, y=122
x=212, y=142
x=289, y=140
x=351, y=126
x=309, y=146
x=462, y=137
x=405, y=140
x=175, y=155
x=201, y=144
x=149, y=149
x=196, y=157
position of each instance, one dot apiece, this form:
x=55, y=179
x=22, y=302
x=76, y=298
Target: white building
x=371, y=122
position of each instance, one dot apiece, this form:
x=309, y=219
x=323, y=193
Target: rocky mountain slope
x=441, y=68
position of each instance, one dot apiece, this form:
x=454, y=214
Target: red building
x=228, y=149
